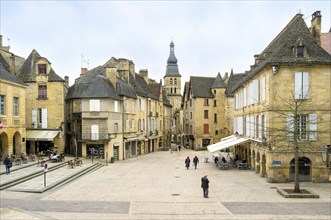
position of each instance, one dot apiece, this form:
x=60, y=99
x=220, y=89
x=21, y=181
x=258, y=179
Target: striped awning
x=41, y=135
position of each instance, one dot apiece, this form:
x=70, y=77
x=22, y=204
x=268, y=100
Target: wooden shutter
x=206, y=128
x=34, y=117
x=305, y=85
x=116, y=106
x=44, y=118
x=94, y=132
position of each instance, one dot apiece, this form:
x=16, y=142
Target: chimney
x=111, y=75
x=83, y=70
x=66, y=81
x=12, y=64
x=256, y=58
x=144, y=73
x=315, y=28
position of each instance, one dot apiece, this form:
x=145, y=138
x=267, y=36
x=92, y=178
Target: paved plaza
x=158, y=186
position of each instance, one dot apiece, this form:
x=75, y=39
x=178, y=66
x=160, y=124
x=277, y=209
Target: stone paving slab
x=146, y=186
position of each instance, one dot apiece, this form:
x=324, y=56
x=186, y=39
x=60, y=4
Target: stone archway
x=304, y=169
x=17, y=144
x=4, y=147
x=257, y=163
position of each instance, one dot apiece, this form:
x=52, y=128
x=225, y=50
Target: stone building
x=44, y=104
x=115, y=113
x=285, y=99
x=204, y=111
x=12, y=114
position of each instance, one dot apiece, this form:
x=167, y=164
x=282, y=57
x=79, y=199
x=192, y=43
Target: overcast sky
x=209, y=36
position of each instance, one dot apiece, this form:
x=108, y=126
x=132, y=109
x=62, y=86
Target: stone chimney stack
x=12, y=65
x=111, y=74
x=256, y=59
x=66, y=81
x=83, y=70
x=315, y=28
x=144, y=73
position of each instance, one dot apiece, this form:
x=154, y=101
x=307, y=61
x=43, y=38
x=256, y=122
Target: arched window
x=175, y=81
x=170, y=81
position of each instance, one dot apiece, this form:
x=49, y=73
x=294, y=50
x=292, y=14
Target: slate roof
x=233, y=80
x=172, y=67
x=93, y=84
x=6, y=57
x=280, y=50
x=201, y=86
x=125, y=89
x=27, y=73
x=139, y=85
x=218, y=82
x=5, y=75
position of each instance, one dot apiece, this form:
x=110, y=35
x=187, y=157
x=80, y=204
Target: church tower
x=172, y=80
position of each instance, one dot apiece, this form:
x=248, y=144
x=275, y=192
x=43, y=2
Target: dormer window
x=41, y=69
x=300, y=51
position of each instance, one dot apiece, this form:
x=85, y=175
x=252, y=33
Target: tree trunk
x=296, y=151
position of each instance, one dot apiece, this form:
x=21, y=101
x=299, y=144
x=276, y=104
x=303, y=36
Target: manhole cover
x=175, y=194
x=176, y=176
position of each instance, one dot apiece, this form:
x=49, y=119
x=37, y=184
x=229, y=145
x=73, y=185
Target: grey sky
x=209, y=36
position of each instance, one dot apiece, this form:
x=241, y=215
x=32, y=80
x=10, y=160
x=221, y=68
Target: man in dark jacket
x=195, y=161
x=187, y=162
x=7, y=164
x=205, y=185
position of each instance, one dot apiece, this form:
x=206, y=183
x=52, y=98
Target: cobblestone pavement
x=158, y=186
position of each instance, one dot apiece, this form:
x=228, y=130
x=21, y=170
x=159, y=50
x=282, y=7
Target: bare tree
x=294, y=124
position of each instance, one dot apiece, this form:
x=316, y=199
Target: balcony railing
x=95, y=136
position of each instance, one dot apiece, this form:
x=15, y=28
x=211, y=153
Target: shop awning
x=226, y=143
x=41, y=135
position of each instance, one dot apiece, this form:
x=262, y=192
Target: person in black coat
x=205, y=185
x=187, y=162
x=195, y=161
x=7, y=164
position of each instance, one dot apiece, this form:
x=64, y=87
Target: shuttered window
x=301, y=85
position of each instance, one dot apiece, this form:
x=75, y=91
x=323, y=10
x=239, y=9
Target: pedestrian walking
x=195, y=161
x=205, y=185
x=187, y=162
x=179, y=147
x=8, y=164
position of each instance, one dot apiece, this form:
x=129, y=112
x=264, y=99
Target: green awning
x=41, y=135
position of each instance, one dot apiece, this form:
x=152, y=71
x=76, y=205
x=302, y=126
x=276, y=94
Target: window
x=301, y=85
x=2, y=105
x=42, y=91
x=205, y=114
x=190, y=102
x=116, y=128
x=127, y=103
x=170, y=81
x=15, y=107
x=214, y=91
x=263, y=90
x=206, y=102
x=139, y=125
x=41, y=69
x=215, y=117
x=132, y=125
x=306, y=127
x=133, y=103
x=302, y=127
x=216, y=132
x=206, y=128
x=175, y=81
x=95, y=132
x=127, y=125
x=115, y=106
x=300, y=51
x=94, y=105
x=215, y=103
x=190, y=115
x=39, y=118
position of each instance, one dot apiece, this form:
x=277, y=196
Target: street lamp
x=326, y=151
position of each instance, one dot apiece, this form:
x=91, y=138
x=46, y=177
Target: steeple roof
x=172, y=67
x=218, y=82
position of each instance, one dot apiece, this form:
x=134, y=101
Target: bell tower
x=172, y=80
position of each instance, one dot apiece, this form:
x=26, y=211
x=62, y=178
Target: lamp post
x=326, y=151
